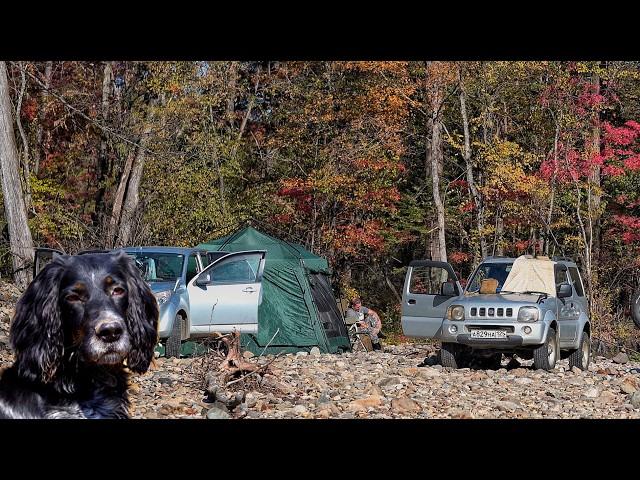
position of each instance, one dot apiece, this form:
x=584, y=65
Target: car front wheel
x=452, y=356
x=581, y=355
x=546, y=355
x=174, y=342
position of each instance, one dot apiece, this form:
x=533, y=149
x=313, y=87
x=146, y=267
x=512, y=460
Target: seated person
x=367, y=320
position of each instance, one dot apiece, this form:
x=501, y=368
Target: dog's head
x=94, y=306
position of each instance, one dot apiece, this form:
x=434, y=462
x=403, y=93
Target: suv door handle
x=249, y=290
x=411, y=301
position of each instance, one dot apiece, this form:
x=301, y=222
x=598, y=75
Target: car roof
x=498, y=260
x=163, y=249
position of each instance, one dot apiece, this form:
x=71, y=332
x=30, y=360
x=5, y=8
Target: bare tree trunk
x=231, y=93
x=127, y=195
x=594, y=199
x=435, y=160
x=475, y=194
x=25, y=142
x=44, y=98
x=14, y=206
x=102, y=162
x=553, y=187
x=126, y=201
x=116, y=211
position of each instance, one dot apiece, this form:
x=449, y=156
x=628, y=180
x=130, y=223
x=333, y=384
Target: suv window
x=561, y=276
x=428, y=280
x=159, y=267
x=576, y=281
x=498, y=271
x=242, y=270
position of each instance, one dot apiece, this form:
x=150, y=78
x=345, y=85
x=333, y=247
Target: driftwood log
x=234, y=365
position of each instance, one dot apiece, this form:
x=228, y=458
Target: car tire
x=635, y=307
x=580, y=356
x=451, y=355
x=174, y=342
x=546, y=355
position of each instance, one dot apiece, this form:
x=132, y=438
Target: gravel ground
x=403, y=381
x=397, y=383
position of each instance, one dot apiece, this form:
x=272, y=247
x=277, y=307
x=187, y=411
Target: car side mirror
x=203, y=280
x=564, y=290
x=448, y=289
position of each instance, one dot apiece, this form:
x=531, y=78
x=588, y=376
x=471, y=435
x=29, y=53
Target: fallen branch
x=257, y=370
x=269, y=343
x=234, y=363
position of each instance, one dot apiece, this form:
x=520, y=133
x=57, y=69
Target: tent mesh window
x=330, y=315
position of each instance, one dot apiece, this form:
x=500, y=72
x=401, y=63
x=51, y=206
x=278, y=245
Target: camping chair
x=360, y=340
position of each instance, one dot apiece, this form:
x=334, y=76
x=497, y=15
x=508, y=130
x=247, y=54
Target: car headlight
x=163, y=297
x=528, y=314
x=455, y=312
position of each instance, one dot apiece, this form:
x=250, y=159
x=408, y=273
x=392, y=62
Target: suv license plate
x=488, y=334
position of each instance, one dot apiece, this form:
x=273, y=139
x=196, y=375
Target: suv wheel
x=635, y=307
x=174, y=342
x=451, y=355
x=580, y=356
x=546, y=355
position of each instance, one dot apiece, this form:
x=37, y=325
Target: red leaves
x=461, y=184
x=628, y=226
x=352, y=238
x=29, y=109
x=521, y=246
x=459, y=257
x=466, y=207
x=622, y=136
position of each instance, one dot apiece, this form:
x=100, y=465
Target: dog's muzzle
x=110, y=330
x=110, y=343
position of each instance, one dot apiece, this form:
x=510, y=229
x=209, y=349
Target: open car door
x=42, y=256
x=225, y=296
x=429, y=288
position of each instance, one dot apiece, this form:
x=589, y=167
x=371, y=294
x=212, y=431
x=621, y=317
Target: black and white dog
x=78, y=323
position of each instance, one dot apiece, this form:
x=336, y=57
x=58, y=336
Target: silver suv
x=198, y=292
x=535, y=308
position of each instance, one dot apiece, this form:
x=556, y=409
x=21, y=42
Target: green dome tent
x=298, y=309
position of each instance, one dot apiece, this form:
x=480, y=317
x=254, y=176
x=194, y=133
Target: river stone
x=629, y=386
x=389, y=381
x=365, y=403
x=300, y=409
x=592, y=393
x=621, y=358
x=216, y=413
x=405, y=404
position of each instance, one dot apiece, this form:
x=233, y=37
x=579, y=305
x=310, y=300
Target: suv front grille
x=491, y=312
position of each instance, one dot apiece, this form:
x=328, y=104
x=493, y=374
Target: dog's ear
x=142, y=316
x=36, y=330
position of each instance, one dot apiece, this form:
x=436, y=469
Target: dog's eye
x=72, y=297
x=117, y=292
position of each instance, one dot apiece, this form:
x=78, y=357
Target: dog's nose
x=109, y=331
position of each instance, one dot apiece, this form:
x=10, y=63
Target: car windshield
x=497, y=271
x=159, y=267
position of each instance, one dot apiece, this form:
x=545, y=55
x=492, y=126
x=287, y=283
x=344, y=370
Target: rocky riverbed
x=403, y=381
x=396, y=383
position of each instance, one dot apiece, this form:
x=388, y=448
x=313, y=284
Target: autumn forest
x=371, y=164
